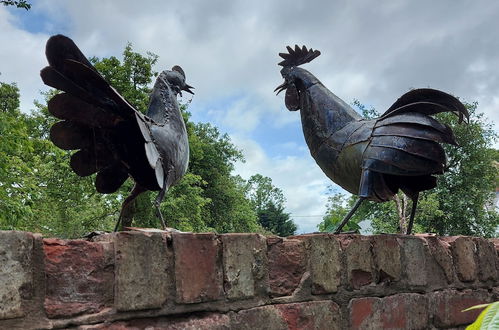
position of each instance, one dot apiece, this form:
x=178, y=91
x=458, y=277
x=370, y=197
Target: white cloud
x=303, y=183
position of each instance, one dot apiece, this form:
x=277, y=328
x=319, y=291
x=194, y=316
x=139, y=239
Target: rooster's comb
x=298, y=56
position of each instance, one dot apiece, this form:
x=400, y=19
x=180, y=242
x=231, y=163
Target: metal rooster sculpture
x=114, y=139
x=370, y=158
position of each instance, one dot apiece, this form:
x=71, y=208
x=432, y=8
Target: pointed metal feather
x=415, y=131
x=110, y=179
x=298, y=56
x=69, y=136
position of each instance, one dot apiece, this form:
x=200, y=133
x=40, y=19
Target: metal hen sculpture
x=370, y=158
x=114, y=139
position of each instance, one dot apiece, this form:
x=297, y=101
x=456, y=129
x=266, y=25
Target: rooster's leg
x=349, y=215
x=157, y=203
x=137, y=190
x=413, y=213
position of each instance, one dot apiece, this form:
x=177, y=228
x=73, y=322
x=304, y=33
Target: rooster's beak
x=187, y=88
x=281, y=87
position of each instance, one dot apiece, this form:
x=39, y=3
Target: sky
x=372, y=51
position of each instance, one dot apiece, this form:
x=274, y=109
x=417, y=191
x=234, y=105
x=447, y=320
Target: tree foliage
x=19, y=4
x=39, y=191
x=268, y=201
x=457, y=206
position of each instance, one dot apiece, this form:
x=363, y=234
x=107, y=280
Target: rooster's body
x=114, y=139
x=370, y=158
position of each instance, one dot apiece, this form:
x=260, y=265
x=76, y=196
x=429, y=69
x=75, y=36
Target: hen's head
x=176, y=79
x=290, y=72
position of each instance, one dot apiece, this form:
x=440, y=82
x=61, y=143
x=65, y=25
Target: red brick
x=211, y=321
x=404, y=311
x=449, y=304
x=463, y=252
x=359, y=259
x=198, y=267
x=265, y=317
x=79, y=277
x=311, y=315
x=364, y=313
x=287, y=263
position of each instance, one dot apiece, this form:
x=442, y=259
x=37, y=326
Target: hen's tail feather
x=111, y=178
x=94, y=115
x=67, y=107
x=298, y=56
x=91, y=160
x=68, y=135
x=60, y=48
x=428, y=101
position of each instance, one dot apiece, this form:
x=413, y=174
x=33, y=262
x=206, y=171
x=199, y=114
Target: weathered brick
x=401, y=311
x=365, y=313
x=325, y=262
x=311, y=315
x=463, y=252
x=495, y=241
x=16, y=276
x=359, y=259
x=487, y=258
x=287, y=264
x=79, y=276
x=404, y=311
x=441, y=254
x=414, y=261
x=266, y=317
x=210, y=321
x=386, y=249
x=142, y=263
x=448, y=305
x=244, y=262
x=198, y=267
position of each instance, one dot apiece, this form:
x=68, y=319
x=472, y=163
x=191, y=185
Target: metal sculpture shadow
x=114, y=139
x=370, y=158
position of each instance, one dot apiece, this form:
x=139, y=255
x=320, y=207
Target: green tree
x=268, y=202
x=457, y=205
x=337, y=208
x=15, y=173
x=19, y=4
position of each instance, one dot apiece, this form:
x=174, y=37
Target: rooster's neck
x=322, y=112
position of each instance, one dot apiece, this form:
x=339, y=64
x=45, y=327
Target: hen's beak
x=187, y=88
x=281, y=87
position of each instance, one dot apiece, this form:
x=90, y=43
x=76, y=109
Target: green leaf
x=488, y=318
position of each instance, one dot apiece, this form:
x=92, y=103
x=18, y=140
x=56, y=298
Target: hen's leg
x=157, y=203
x=137, y=190
x=413, y=213
x=349, y=215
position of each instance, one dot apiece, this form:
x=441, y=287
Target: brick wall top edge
x=306, y=235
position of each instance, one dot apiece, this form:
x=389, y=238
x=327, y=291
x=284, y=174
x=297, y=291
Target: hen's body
x=114, y=139
x=370, y=158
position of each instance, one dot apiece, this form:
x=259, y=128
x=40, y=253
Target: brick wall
x=244, y=281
